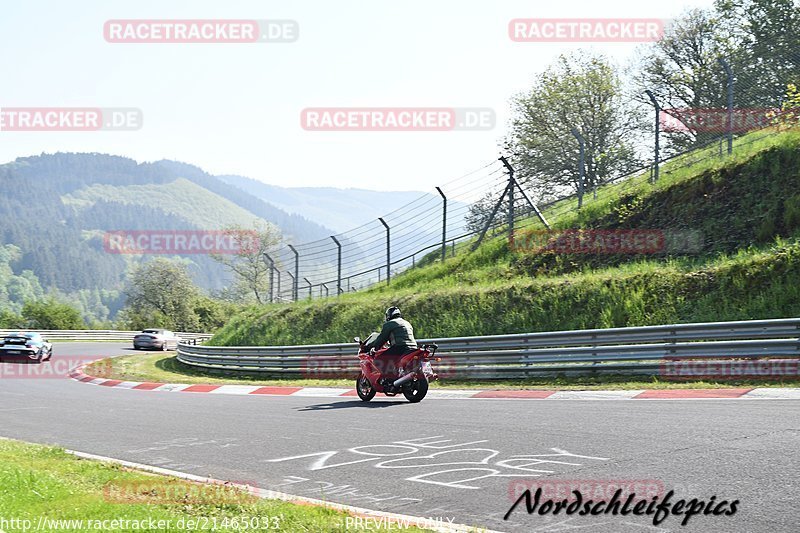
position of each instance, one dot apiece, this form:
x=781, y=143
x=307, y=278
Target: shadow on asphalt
x=355, y=404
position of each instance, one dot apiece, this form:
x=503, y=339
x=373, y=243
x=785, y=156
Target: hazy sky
x=235, y=108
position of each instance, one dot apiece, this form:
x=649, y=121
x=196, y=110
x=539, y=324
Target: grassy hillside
x=745, y=206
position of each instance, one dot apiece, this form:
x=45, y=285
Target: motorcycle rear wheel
x=416, y=390
x=364, y=388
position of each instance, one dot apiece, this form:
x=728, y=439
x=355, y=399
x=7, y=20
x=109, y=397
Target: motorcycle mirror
x=357, y=339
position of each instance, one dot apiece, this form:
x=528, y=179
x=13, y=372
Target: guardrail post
x=388, y=253
x=444, y=223
x=338, y=267
x=296, y=277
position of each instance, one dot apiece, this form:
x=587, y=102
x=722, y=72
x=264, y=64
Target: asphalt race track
x=453, y=459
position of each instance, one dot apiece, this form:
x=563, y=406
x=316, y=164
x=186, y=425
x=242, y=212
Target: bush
x=10, y=320
x=51, y=314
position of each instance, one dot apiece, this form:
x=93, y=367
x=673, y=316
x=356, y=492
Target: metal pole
x=326, y=289
x=444, y=223
x=729, y=121
x=581, y=161
x=338, y=266
x=293, y=284
x=489, y=220
x=296, y=277
x=309, y=287
x=278, y=292
x=388, y=253
x=657, y=132
x=271, y=277
x=510, y=204
x=524, y=195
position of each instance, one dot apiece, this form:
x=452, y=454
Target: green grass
x=165, y=368
x=746, y=206
x=42, y=482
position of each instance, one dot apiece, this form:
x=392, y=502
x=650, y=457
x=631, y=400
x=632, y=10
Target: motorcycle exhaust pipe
x=404, y=379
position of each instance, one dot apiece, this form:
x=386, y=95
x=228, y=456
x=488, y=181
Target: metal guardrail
x=104, y=335
x=648, y=350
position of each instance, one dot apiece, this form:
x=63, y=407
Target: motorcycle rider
x=398, y=332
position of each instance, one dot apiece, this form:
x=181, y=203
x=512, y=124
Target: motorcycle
x=392, y=374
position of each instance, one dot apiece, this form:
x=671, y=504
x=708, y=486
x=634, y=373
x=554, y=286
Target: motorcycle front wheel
x=416, y=390
x=364, y=388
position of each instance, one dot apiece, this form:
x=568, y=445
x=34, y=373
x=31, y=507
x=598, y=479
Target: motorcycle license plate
x=426, y=368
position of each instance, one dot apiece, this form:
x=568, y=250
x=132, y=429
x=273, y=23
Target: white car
x=155, y=339
x=30, y=345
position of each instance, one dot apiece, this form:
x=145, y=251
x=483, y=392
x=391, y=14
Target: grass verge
x=50, y=487
x=165, y=368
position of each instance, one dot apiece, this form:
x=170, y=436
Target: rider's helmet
x=392, y=312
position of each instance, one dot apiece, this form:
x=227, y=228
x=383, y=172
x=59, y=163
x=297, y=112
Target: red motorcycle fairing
x=382, y=365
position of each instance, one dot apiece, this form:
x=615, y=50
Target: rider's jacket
x=398, y=332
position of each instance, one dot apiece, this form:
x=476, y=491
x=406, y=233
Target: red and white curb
x=761, y=393
x=379, y=517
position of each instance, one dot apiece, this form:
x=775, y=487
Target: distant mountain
x=340, y=209
x=55, y=209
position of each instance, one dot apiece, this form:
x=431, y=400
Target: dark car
x=155, y=339
x=29, y=346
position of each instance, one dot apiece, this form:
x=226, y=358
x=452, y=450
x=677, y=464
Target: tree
x=51, y=314
x=683, y=70
x=11, y=320
x=247, y=263
x=161, y=291
x=760, y=40
x=581, y=91
x=766, y=34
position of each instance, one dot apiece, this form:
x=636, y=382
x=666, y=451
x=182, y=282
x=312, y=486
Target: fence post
x=657, y=132
x=326, y=290
x=294, y=284
x=338, y=265
x=296, y=277
x=444, y=223
x=388, y=253
x=271, y=277
x=510, y=204
x=729, y=121
x=581, y=161
x=309, y=287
